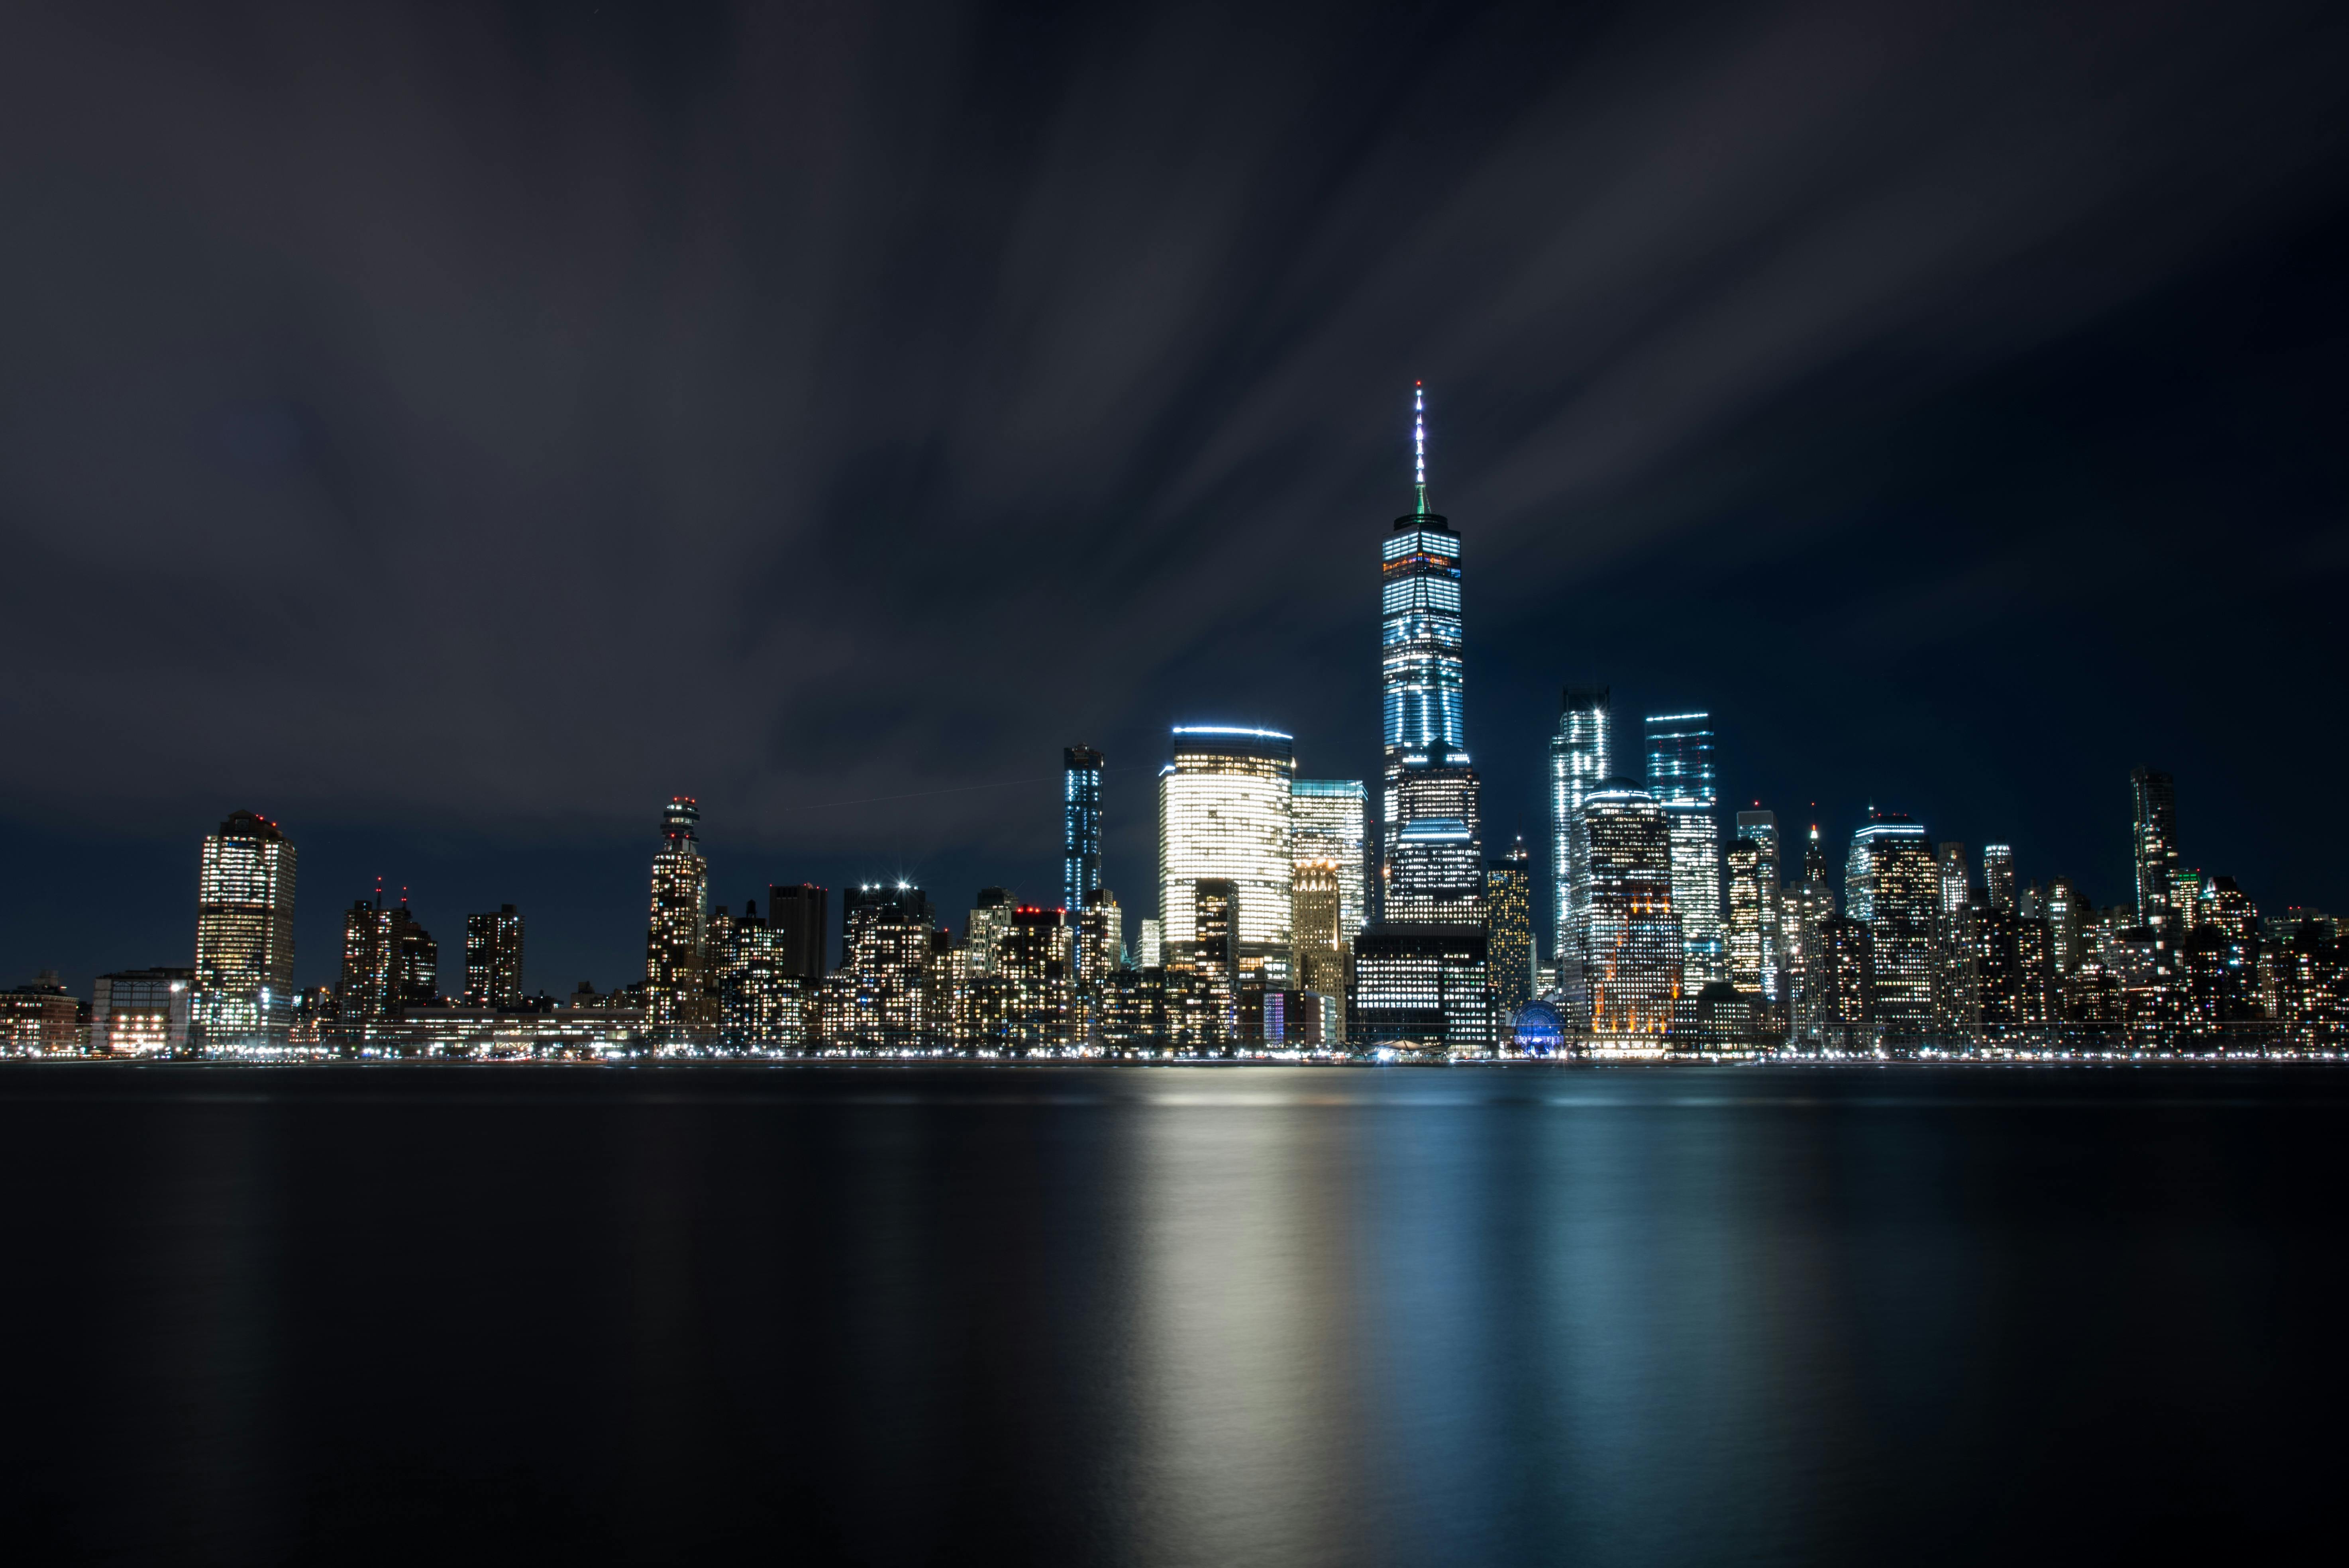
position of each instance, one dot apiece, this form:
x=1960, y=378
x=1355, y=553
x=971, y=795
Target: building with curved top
x=1224, y=814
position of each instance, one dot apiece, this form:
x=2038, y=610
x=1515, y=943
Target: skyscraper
x=1635, y=950
x=1890, y=887
x=883, y=997
x=679, y=1005
x=1809, y=907
x=1760, y=828
x=990, y=918
x=244, y=935
x=800, y=917
x=2155, y=841
x=390, y=963
x=1324, y=953
x=1998, y=876
x=1081, y=827
x=493, y=958
x=1224, y=814
x=1509, y=929
x=1436, y=877
x=1329, y=821
x=1957, y=957
x=1580, y=756
x=1680, y=777
x=1420, y=668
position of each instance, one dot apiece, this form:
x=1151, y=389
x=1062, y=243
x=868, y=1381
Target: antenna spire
x=1419, y=443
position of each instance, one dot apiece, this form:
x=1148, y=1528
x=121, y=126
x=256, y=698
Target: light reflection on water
x=1170, y=1316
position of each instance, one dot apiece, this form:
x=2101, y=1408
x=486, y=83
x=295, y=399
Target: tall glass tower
x=1081, y=827
x=1679, y=776
x=1420, y=659
x=1581, y=754
x=2154, y=795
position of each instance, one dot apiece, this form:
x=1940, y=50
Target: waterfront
x=1171, y=1315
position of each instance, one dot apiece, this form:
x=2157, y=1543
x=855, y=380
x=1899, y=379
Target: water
x=1172, y=1315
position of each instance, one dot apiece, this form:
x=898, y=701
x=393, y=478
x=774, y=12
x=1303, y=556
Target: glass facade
x=1226, y=812
x=1435, y=874
x=1891, y=887
x=1580, y=757
x=1998, y=877
x=1331, y=820
x=1635, y=953
x=2154, y=796
x=244, y=935
x=1081, y=827
x=1680, y=778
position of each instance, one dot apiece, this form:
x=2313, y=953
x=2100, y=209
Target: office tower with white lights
x=1581, y=756
x=1957, y=970
x=679, y=1007
x=1635, y=950
x=1225, y=813
x=1329, y=819
x=1680, y=778
x=244, y=935
x=493, y=958
x=1998, y=877
x=1424, y=730
x=1768, y=942
x=2154, y=797
x=1509, y=930
x=885, y=996
x=1890, y=887
x=1081, y=827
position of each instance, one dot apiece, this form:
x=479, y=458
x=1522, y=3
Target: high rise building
x=1891, y=887
x=1081, y=827
x=885, y=994
x=798, y=916
x=1760, y=828
x=1741, y=869
x=758, y=1005
x=244, y=935
x=1328, y=819
x=2154, y=796
x=1809, y=906
x=493, y=958
x=1998, y=876
x=1509, y=929
x=1225, y=807
x=1957, y=989
x=1037, y=964
x=1635, y=950
x=1324, y=953
x=1680, y=778
x=1435, y=877
x=679, y=1005
x=1421, y=686
x=990, y=920
x=390, y=963
x=1580, y=757
x=1100, y=954
x=1213, y=963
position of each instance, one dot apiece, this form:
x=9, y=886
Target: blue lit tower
x=1419, y=658
x=1081, y=827
x=1679, y=776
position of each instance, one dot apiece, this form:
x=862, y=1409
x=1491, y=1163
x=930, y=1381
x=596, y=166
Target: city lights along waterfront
x=1291, y=917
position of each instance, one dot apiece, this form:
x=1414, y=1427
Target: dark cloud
x=495, y=419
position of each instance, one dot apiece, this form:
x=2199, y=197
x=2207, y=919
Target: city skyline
x=1885, y=487
x=1315, y=911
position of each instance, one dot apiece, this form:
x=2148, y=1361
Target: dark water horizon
x=1182, y=1314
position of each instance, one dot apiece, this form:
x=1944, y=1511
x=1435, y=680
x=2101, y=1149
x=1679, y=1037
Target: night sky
x=451, y=430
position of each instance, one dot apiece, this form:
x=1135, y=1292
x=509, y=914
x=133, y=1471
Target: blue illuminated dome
x=1536, y=1030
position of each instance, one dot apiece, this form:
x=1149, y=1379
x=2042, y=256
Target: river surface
x=1187, y=1316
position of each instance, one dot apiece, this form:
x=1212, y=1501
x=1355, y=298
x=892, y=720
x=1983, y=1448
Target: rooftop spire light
x=1418, y=442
